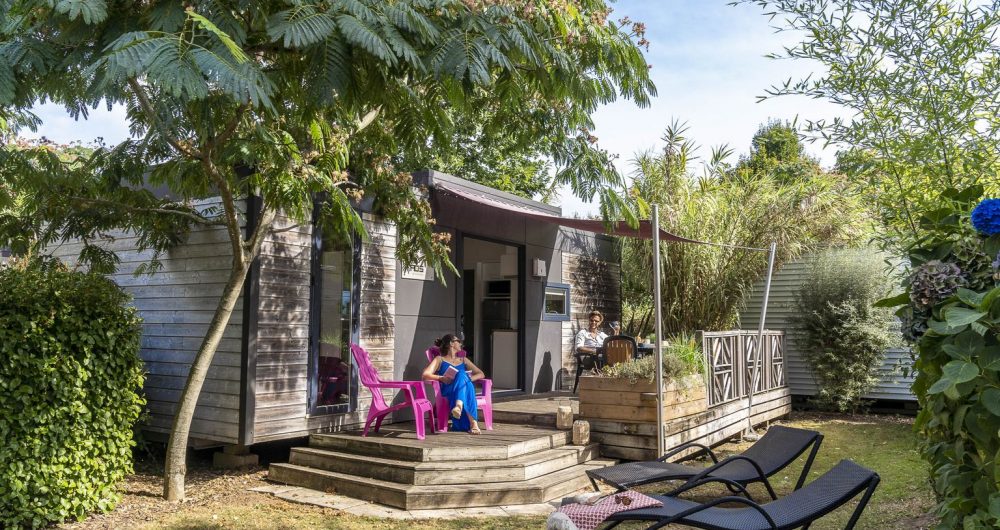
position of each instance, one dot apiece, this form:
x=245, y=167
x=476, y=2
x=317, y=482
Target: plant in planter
x=682, y=357
x=952, y=316
x=620, y=401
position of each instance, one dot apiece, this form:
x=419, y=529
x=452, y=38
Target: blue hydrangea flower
x=986, y=217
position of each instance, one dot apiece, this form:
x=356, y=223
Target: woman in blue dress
x=459, y=390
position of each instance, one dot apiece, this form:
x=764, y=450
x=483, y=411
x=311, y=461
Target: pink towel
x=589, y=517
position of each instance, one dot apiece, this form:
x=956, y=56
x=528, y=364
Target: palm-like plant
x=704, y=285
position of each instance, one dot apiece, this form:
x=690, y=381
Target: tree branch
x=229, y=130
x=147, y=107
x=286, y=229
x=229, y=206
x=114, y=204
x=264, y=223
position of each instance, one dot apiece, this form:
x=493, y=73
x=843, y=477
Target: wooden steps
x=541, y=419
x=513, y=464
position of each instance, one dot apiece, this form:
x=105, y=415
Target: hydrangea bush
x=952, y=316
x=986, y=217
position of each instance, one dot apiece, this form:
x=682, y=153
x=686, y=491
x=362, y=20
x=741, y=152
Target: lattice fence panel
x=731, y=354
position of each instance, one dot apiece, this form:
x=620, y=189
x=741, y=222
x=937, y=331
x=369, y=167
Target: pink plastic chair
x=484, y=400
x=416, y=397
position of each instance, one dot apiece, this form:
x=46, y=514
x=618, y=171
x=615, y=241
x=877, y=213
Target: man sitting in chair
x=588, y=340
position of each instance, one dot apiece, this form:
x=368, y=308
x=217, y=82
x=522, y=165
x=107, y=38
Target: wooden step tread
x=503, y=442
x=408, y=497
x=437, y=472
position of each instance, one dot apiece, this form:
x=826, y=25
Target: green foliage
x=70, y=377
x=777, y=151
x=682, y=356
x=918, y=79
x=284, y=99
x=703, y=286
x=958, y=363
x=845, y=336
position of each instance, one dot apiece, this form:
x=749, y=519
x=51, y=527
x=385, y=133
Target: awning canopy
x=618, y=228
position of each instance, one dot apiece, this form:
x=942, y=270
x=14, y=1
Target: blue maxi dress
x=461, y=388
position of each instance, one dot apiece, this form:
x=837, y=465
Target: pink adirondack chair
x=416, y=397
x=484, y=399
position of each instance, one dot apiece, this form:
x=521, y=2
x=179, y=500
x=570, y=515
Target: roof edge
x=430, y=177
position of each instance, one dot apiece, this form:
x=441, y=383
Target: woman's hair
x=445, y=341
x=596, y=312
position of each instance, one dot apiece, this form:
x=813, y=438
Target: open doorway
x=491, y=310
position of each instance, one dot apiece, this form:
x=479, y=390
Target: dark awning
x=618, y=228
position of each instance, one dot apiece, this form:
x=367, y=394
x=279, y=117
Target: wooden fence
x=729, y=354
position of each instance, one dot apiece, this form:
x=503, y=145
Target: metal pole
x=750, y=434
x=658, y=308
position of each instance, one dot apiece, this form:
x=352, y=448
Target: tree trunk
x=176, y=468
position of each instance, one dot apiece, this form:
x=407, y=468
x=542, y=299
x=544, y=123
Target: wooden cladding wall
x=594, y=284
x=281, y=387
x=282, y=381
x=378, y=305
x=177, y=304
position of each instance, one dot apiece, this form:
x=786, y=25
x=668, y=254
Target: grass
x=220, y=500
x=883, y=443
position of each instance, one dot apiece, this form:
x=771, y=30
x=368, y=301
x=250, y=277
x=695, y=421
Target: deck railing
x=729, y=354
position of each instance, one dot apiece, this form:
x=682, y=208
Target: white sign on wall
x=418, y=272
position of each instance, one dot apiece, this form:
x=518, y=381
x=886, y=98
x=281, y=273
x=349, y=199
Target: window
x=556, y=305
x=333, y=315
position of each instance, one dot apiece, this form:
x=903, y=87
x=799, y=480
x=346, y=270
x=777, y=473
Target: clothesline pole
x=759, y=350
x=660, y=446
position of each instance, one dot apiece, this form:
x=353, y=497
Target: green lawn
x=883, y=443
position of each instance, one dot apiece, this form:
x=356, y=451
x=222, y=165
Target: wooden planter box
x=622, y=415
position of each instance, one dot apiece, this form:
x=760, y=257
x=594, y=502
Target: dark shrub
x=70, y=377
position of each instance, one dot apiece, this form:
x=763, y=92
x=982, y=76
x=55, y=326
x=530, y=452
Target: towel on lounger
x=589, y=517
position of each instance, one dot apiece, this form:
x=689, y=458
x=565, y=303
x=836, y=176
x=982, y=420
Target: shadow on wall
x=544, y=381
x=376, y=319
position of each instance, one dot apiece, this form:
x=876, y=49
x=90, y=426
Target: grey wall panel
x=427, y=298
x=414, y=334
x=544, y=356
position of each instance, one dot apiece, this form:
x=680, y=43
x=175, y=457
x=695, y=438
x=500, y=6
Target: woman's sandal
x=475, y=430
x=456, y=412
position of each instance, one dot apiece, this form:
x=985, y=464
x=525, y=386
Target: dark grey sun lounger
x=797, y=509
x=778, y=447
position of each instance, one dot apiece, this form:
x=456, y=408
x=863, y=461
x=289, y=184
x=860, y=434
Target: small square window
x=556, y=305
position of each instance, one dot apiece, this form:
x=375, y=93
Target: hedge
x=70, y=381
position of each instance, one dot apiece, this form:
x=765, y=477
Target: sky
x=708, y=65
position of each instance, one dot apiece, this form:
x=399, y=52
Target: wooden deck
x=523, y=460
x=512, y=464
